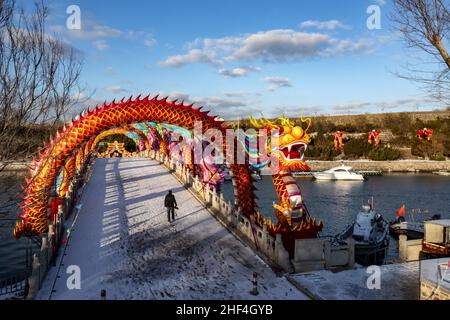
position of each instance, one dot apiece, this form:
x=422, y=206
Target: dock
x=366, y=173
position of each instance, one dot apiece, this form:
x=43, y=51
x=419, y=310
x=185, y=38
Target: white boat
x=338, y=173
x=370, y=231
x=442, y=173
x=412, y=229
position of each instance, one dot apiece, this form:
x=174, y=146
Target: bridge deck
x=123, y=243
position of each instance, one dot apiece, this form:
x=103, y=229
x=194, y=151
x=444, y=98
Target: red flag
x=400, y=212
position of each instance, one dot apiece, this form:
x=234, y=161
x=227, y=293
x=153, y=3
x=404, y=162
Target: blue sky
x=243, y=57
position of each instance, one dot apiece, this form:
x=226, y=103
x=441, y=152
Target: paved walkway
x=123, y=243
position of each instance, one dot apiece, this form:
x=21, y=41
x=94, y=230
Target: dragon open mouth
x=294, y=151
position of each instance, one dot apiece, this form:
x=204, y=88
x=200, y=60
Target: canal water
x=336, y=203
x=12, y=252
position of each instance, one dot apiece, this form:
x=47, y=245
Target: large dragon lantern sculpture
x=285, y=148
x=153, y=121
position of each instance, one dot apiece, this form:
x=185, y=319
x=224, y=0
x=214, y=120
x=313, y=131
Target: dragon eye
x=287, y=139
x=297, y=132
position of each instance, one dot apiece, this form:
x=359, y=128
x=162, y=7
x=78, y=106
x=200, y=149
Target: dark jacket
x=169, y=201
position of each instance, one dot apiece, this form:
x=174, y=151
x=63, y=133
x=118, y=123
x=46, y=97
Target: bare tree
x=39, y=79
x=425, y=25
x=5, y=13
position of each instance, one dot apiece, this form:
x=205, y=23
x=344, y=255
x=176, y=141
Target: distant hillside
x=376, y=119
x=379, y=119
x=398, y=136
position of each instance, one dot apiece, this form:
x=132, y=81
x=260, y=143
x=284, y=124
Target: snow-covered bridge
x=122, y=243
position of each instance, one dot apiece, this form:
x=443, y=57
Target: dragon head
x=287, y=142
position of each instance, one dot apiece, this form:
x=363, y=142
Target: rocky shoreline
x=425, y=166
x=10, y=166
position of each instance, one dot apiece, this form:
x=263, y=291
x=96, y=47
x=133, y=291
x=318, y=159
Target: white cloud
x=101, y=45
x=380, y=2
x=282, y=45
x=296, y=111
x=57, y=29
x=354, y=107
x=279, y=45
x=218, y=103
x=223, y=106
x=239, y=113
x=79, y=96
x=350, y=46
x=410, y=103
x=229, y=111
x=193, y=56
x=180, y=96
x=323, y=25
x=238, y=72
x=116, y=89
x=237, y=94
x=149, y=42
x=277, y=82
x=110, y=71
x=95, y=32
x=226, y=44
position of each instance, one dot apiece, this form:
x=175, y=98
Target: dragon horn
x=255, y=122
x=306, y=120
x=270, y=123
x=285, y=121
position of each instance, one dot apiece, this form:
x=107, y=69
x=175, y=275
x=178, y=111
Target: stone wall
x=409, y=250
x=15, y=165
x=385, y=166
x=319, y=254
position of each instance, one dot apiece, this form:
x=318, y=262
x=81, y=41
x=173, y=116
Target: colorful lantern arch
x=72, y=144
x=155, y=120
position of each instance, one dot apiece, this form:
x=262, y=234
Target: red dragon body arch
x=66, y=153
x=77, y=137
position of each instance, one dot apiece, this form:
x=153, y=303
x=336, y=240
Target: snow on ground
x=12, y=296
x=123, y=243
x=397, y=282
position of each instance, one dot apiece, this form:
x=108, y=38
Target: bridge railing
x=52, y=240
x=16, y=283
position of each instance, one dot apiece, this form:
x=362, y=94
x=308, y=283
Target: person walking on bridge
x=170, y=203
